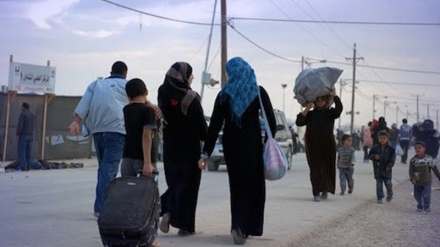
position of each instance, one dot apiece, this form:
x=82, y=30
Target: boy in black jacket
x=383, y=157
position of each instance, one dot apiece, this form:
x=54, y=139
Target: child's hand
x=351, y=167
x=413, y=181
x=377, y=156
x=148, y=169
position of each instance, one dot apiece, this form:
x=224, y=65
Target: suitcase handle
x=155, y=175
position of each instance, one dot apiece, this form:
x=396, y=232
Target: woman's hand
x=309, y=106
x=202, y=164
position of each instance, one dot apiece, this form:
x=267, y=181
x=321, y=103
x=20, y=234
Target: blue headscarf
x=241, y=88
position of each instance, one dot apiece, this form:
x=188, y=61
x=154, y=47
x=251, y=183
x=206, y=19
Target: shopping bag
x=399, y=150
x=275, y=161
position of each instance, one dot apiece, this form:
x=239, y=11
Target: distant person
x=140, y=125
x=25, y=134
x=346, y=160
x=383, y=157
x=430, y=137
x=405, y=135
x=295, y=138
x=381, y=125
x=394, y=135
x=183, y=130
x=367, y=142
x=420, y=175
x=100, y=108
x=236, y=109
x=320, y=143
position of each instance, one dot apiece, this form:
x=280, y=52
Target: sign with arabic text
x=31, y=78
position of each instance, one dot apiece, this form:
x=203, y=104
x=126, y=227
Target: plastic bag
x=275, y=162
x=399, y=150
x=312, y=83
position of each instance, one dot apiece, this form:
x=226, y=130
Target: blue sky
x=83, y=38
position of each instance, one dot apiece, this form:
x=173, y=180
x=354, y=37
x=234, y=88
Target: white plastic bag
x=275, y=162
x=312, y=83
x=399, y=150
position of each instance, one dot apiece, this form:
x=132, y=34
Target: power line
x=403, y=83
x=261, y=48
x=341, y=22
x=281, y=20
x=157, y=16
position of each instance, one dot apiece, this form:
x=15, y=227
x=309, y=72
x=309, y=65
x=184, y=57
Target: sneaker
x=316, y=198
x=96, y=214
x=238, y=237
x=164, y=225
x=350, y=190
x=324, y=196
x=427, y=210
x=379, y=201
x=419, y=210
x=389, y=199
x=184, y=233
x=342, y=193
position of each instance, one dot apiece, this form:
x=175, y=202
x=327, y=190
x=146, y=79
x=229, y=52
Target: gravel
x=389, y=224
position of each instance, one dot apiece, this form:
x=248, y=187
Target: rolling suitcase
x=130, y=212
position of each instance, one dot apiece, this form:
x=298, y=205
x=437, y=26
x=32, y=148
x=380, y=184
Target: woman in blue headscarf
x=237, y=109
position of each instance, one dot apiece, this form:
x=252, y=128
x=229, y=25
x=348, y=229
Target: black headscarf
x=177, y=86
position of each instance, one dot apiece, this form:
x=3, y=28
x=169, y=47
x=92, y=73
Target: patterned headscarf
x=177, y=84
x=241, y=88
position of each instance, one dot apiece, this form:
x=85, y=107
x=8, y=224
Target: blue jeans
x=422, y=194
x=109, y=148
x=346, y=175
x=24, y=151
x=380, y=181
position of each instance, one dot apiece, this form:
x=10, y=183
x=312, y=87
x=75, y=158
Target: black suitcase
x=130, y=212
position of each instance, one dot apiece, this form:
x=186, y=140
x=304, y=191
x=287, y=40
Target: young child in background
x=383, y=157
x=346, y=160
x=420, y=175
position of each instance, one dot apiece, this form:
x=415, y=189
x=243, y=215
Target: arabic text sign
x=31, y=78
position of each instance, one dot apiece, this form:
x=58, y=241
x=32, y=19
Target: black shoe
x=184, y=233
x=324, y=196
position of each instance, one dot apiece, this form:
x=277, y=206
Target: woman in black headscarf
x=184, y=127
x=320, y=142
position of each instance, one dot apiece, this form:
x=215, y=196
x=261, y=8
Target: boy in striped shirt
x=346, y=160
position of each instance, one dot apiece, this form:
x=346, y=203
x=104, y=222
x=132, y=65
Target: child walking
x=140, y=124
x=420, y=168
x=346, y=160
x=383, y=157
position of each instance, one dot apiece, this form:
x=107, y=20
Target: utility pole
x=284, y=96
x=374, y=104
x=342, y=83
x=417, y=98
x=385, y=103
x=355, y=59
x=204, y=77
x=224, y=45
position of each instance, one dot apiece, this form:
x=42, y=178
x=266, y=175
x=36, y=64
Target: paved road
x=54, y=207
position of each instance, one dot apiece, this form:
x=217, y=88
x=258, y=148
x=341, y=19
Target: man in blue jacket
x=100, y=108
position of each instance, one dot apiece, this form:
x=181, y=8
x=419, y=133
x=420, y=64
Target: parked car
x=282, y=136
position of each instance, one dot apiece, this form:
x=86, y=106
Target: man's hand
x=74, y=128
